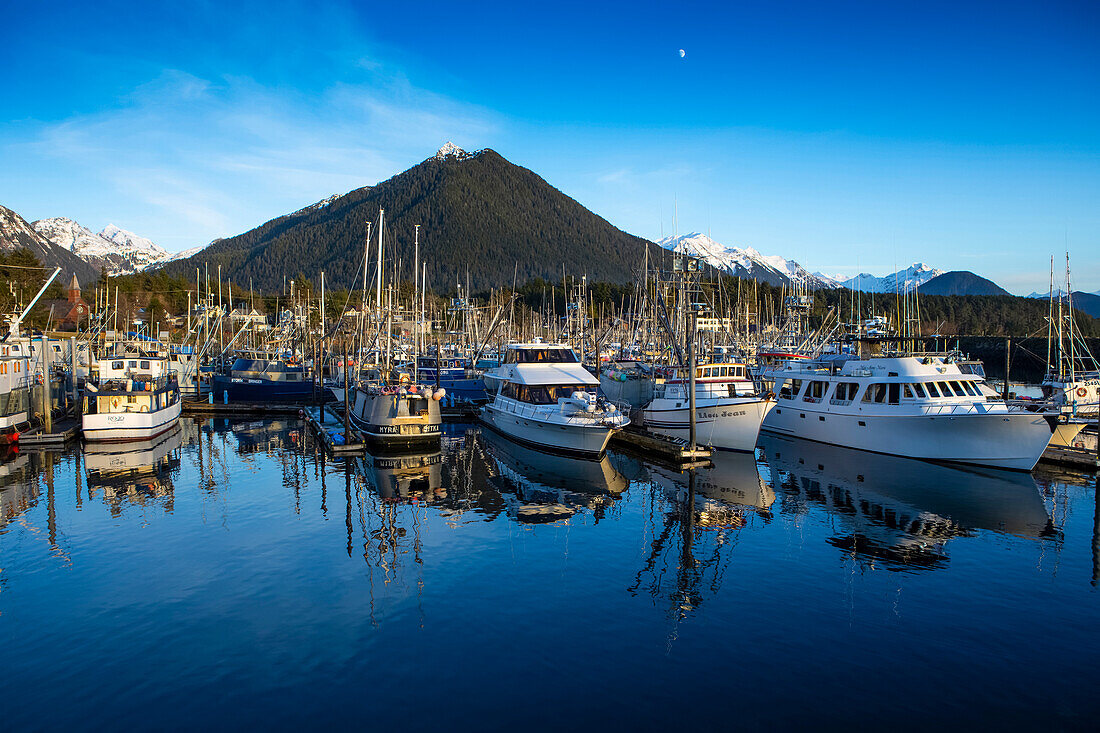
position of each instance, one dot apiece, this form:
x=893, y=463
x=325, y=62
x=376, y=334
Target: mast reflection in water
x=233, y=574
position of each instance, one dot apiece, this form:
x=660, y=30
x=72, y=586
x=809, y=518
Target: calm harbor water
x=231, y=575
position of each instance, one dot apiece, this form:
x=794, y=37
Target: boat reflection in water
x=543, y=487
x=902, y=512
x=723, y=491
x=695, y=524
x=137, y=473
x=415, y=477
x=17, y=491
x=265, y=436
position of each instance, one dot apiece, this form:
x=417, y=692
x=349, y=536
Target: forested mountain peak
x=478, y=213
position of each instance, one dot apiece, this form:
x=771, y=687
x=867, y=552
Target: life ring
x=116, y=401
x=1082, y=392
x=404, y=379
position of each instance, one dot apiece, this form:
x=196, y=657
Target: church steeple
x=74, y=289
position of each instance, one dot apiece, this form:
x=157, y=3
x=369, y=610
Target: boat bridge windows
x=541, y=394
x=719, y=371
x=536, y=355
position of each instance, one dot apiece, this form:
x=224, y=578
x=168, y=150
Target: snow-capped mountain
x=901, y=281
x=113, y=249
x=16, y=233
x=749, y=263
x=745, y=262
x=140, y=252
x=450, y=150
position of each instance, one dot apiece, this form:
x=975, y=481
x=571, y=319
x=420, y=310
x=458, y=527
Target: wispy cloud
x=193, y=159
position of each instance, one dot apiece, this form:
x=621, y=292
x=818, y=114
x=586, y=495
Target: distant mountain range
x=1082, y=301
x=748, y=262
x=744, y=262
x=479, y=214
x=115, y=250
x=16, y=233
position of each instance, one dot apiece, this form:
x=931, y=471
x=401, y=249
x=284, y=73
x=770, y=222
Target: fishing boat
x=135, y=397
x=545, y=398
x=454, y=374
x=914, y=406
x=729, y=408
x=396, y=416
x=263, y=380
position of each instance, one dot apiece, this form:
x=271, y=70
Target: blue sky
x=966, y=136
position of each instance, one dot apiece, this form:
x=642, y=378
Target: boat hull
x=378, y=417
x=579, y=440
x=125, y=427
x=242, y=389
x=731, y=423
x=1013, y=440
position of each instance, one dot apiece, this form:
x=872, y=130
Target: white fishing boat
x=728, y=407
x=910, y=406
x=545, y=398
x=135, y=397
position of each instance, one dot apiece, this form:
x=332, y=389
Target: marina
x=417, y=366
x=235, y=558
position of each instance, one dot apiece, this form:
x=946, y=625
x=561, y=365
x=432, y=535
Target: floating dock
x=64, y=429
x=1075, y=457
x=327, y=425
x=661, y=447
x=242, y=408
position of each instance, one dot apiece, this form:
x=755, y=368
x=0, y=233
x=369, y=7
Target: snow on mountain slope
x=901, y=281
x=139, y=251
x=744, y=262
x=115, y=250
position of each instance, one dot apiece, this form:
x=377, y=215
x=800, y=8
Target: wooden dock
x=651, y=445
x=325, y=424
x=64, y=429
x=243, y=408
x=1075, y=457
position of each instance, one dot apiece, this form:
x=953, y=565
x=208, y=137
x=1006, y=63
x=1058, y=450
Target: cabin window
x=145, y=365
x=815, y=391
x=907, y=391
x=932, y=391
x=875, y=393
x=969, y=387
x=18, y=366
x=845, y=392
x=790, y=389
x=893, y=393
x=918, y=389
x=133, y=365
x=945, y=389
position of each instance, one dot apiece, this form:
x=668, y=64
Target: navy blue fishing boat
x=263, y=380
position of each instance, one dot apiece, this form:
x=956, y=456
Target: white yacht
x=728, y=407
x=909, y=406
x=543, y=397
x=134, y=398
